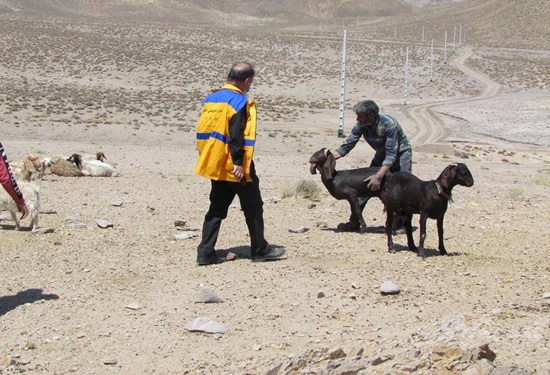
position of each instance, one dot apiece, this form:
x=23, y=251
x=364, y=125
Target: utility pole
x=445, y=49
x=432, y=63
x=406, y=92
x=343, y=89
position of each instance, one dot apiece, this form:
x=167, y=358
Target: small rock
x=104, y=223
x=110, y=362
x=116, y=203
x=320, y=294
x=207, y=295
x=185, y=235
x=298, y=229
x=322, y=224
x=204, y=324
x=133, y=306
x=180, y=223
x=389, y=287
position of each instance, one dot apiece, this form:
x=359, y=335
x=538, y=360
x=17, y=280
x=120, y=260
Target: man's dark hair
x=365, y=107
x=240, y=71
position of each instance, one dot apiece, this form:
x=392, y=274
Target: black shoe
x=348, y=227
x=273, y=253
x=208, y=260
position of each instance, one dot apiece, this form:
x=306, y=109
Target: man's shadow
x=8, y=303
x=242, y=252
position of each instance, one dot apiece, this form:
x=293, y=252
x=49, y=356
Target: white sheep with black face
x=97, y=167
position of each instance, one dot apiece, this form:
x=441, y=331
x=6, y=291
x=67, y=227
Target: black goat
x=404, y=193
x=346, y=184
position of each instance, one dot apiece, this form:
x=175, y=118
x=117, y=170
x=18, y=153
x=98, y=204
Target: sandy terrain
x=89, y=300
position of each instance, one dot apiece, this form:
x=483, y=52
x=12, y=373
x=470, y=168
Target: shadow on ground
x=8, y=303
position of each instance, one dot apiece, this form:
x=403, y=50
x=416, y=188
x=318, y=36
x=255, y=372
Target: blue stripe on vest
x=221, y=137
x=216, y=135
x=234, y=99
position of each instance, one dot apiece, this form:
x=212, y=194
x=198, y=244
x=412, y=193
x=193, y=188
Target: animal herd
x=403, y=194
x=29, y=173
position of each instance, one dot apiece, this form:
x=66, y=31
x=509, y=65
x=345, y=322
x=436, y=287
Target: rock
x=185, y=235
x=389, y=287
x=298, y=229
x=207, y=295
x=205, y=324
x=320, y=294
x=104, y=223
x=180, y=223
x=116, y=203
x=133, y=306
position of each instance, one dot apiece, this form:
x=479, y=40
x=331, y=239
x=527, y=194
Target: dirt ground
x=88, y=300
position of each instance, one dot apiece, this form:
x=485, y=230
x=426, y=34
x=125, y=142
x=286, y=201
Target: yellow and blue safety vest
x=215, y=160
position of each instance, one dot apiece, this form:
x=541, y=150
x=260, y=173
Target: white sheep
x=97, y=167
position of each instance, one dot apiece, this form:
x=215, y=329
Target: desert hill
x=502, y=23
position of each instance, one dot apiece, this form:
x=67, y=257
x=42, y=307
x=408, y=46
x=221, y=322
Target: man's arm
x=8, y=182
x=350, y=142
x=236, y=141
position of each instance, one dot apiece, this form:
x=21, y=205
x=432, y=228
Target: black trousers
x=222, y=194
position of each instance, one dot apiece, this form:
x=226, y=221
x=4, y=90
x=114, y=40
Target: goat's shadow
x=380, y=229
x=242, y=252
x=8, y=303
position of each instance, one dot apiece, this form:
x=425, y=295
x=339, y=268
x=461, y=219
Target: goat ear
x=328, y=167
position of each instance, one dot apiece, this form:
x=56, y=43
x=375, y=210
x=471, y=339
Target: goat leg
x=389, y=232
x=442, y=250
x=356, y=214
x=408, y=230
x=422, y=221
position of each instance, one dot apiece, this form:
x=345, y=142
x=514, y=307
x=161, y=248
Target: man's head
x=241, y=75
x=367, y=112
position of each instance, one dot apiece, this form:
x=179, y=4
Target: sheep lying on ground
x=97, y=167
x=404, y=193
x=67, y=167
x=346, y=184
x=30, y=187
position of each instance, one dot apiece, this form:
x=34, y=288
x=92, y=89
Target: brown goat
x=405, y=194
x=346, y=184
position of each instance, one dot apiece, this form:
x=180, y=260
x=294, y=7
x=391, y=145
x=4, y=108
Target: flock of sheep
x=29, y=173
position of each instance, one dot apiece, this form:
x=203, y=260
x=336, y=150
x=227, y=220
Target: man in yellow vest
x=226, y=135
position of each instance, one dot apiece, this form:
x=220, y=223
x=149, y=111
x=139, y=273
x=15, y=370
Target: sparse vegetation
x=303, y=189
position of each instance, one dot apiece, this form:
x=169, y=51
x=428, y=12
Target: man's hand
x=238, y=171
x=373, y=182
x=23, y=208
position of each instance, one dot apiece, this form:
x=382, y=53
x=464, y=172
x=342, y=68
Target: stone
x=207, y=295
x=205, y=324
x=186, y=235
x=104, y=223
x=389, y=287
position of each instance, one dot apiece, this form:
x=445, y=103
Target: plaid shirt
x=386, y=138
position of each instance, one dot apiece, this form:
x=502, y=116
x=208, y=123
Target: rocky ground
x=84, y=299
